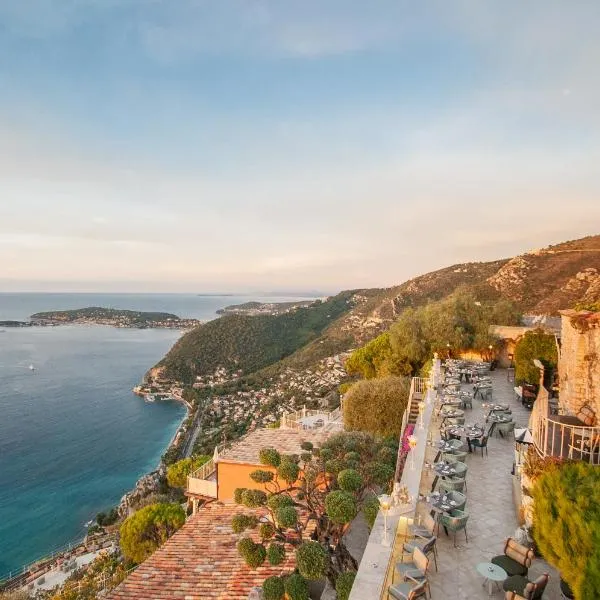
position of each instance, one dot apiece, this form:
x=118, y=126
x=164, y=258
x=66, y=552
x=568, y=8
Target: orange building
x=230, y=468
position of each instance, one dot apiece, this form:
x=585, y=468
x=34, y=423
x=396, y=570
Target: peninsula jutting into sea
x=96, y=315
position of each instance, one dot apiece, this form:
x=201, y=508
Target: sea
x=73, y=437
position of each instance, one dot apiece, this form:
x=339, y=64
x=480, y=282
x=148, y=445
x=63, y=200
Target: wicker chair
x=455, y=521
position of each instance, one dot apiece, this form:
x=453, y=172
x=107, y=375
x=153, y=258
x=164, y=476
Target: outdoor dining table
x=471, y=432
x=451, y=413
x=499, y=418
x=443, y=469
x=451, y=402
x=440, y=502
x=497, y=407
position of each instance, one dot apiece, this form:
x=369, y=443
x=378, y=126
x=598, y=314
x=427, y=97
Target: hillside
x=542, y=281
x=248, y=343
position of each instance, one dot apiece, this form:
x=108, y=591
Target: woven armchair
x=516, y=559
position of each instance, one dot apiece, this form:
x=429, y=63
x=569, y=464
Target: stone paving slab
x=492, y=514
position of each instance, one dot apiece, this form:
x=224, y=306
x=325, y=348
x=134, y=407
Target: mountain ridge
x=541, y=281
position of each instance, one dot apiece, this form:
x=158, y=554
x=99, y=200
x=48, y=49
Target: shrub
x=266, y=531
x=279, y=501
x=269, y=457
x=288, y=470
x=343, y=585
x=350, y=480
x=147, y=529
x=238, y=494
x=273, y=588
x=260, y=476
x=177, y=472
x=377, y=405
x=340, y=506
x=567, y=524
x=254, y=554
x=286, y=516
x=534, y=344
x=254, y=498
x=312, y=560
x=296, y=587
x=370, y=510
x=276, y=553
x=240, y=523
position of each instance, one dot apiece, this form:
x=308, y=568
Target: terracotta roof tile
x=287, y=441
x=199, y=562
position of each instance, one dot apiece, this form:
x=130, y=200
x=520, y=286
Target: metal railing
x=293, y=420
x=551, y=437
x=205, y=470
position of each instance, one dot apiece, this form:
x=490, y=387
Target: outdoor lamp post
x=421, y=406
x=412, y=444
x=385, y=502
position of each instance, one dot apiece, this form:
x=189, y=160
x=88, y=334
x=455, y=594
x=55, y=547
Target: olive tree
x=309, y=502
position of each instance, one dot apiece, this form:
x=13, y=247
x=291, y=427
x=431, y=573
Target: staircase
x=413, y=409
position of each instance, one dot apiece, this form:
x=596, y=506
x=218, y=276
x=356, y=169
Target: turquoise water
x=73, y=438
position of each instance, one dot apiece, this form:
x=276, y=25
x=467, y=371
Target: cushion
x=587, y=415
x=518, y=552
x=520, y=585
x=512, y=567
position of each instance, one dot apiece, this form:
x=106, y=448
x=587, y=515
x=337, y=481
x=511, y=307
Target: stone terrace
x=492, y=514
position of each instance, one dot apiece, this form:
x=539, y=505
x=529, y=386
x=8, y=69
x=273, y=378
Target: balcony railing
x=203, y=481
x=560, y=436
x=296, y=420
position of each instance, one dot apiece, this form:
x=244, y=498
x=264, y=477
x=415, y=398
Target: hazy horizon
x=243, y=146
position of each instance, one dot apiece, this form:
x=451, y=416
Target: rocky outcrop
x=146, y=485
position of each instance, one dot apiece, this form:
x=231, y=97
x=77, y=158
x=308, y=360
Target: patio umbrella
x=523, y=436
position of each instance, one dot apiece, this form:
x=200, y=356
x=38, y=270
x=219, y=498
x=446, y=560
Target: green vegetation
x=343, y=585
x=177, y=472
x=103, y=519
x=147, y=529
x=534, y=344
x=567, y=524
x=459, y=322
x=376, y=359
x=352, y=464
x=591, y=306
x=97, y=313
x=377, y=405
x=250, y=343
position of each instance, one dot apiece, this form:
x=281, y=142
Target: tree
x=376, y=359
x=377, y=405
x=177, y=472
x=320, y=492
x=566, y=525
x=460, y=321
x=147, y=529
x=534, y=344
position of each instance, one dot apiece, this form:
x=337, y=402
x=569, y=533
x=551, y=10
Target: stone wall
x=579, y=364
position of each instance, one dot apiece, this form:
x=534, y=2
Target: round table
x=499, y=418
x=492, y=574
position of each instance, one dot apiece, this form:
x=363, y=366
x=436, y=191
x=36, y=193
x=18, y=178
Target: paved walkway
x=492, y=515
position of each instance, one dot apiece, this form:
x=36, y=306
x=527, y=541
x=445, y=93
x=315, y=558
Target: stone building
x=579, y=365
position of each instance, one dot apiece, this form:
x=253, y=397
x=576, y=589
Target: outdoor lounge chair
x=530, y=590
x=455, y=521
x=408, y=591
x=516, y=559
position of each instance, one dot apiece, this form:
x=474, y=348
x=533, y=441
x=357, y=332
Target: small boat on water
x=31, y=368
x=149, y=398
x=89, y=523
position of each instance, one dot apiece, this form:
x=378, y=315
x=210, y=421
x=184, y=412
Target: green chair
x=408, y=591
x=459, y=499
x=530, y=590
x=452, y=485
x=506, y=428
x=455, y=521
x=425, y=529
x=454, y=457
x=460, y=470
x=467, y=402
x=451, y=421
x=480, y=443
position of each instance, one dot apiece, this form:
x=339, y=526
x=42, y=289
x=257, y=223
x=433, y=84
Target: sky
x=244, y=145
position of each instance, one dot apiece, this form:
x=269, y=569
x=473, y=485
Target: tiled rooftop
x=286, y=441
x=200, y=562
